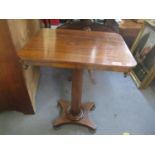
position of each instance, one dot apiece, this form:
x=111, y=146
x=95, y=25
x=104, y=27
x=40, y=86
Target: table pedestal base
x=82, y=118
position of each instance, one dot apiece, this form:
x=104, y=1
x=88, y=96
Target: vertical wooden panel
x=21, y=31
x=13, y=92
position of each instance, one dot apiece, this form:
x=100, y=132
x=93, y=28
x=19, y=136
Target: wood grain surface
x=78, y=49
x=21, y=31
x=13, y=92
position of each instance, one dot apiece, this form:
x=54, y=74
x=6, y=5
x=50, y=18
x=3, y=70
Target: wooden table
x=77, y=50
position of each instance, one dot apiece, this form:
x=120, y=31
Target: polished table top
x=78, y=49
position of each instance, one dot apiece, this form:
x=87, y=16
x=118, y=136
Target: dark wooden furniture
x=129, y=30
x=17, y=86
x=77, y=50
x=13, y=92
x=108, y=25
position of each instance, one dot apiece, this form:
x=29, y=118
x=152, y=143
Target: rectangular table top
x=78, y=49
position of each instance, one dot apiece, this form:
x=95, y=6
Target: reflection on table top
x=78, y=49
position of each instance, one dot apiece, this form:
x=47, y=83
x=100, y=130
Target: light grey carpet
x=120, y=106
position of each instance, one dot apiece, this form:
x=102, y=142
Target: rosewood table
x=77, y=50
